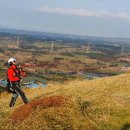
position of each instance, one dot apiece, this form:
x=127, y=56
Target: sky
x=102, y=18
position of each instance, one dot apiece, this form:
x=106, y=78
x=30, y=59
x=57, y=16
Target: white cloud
x=84, y=12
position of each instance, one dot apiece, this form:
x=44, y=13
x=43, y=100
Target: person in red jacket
x=13, y=85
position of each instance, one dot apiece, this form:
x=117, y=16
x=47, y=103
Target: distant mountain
x=64, y=37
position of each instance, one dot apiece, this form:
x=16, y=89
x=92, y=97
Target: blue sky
x=109, y=18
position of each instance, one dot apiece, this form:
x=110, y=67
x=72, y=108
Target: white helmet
x=11, y=60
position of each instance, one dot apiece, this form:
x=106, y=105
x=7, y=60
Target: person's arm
x=12, y=76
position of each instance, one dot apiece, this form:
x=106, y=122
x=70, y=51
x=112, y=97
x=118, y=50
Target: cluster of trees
x=68, y=54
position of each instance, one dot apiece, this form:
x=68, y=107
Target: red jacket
x=13, y=73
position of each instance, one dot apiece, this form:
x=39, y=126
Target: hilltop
x=102, y=103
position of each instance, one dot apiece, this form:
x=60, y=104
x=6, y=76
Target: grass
x=100, y=104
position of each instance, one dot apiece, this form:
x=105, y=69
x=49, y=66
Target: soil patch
x=24, y=111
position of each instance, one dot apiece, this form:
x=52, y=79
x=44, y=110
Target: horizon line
x=81, y=35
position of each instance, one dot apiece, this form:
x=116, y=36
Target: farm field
x=45, y=57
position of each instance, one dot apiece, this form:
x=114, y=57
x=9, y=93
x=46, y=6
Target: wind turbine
x=52, y=47
x=88, y=48
x=18, y=42
x=122, y=51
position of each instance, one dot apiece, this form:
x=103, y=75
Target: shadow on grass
x=126, y=127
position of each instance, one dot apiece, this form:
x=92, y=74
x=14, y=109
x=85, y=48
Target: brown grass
x=24, y=111
x=100, y=104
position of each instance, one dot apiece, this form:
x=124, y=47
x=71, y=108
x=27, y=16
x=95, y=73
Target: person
x=13, y=82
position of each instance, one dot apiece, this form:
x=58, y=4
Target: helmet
x=11, y=60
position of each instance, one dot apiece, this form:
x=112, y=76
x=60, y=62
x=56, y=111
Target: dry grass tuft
x=21, y=113
x=24, y=111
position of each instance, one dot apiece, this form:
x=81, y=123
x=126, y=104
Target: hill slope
x=94, y=105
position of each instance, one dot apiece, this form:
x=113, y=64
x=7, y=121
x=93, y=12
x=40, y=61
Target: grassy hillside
x=101, y=104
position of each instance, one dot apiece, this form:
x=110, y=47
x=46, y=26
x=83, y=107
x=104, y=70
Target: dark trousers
x=14, y=88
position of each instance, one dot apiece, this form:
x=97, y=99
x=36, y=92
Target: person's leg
x=14, y=94
x=21, y=93
x=13, y=99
